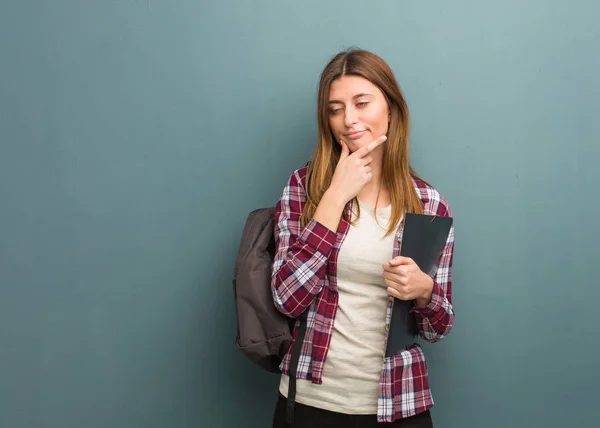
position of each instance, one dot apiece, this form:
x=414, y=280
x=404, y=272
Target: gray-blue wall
x=136, y=135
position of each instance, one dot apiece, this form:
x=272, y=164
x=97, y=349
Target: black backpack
x=264, y=334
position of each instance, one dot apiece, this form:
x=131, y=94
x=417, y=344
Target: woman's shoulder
x=298, y=177
x=434, y=203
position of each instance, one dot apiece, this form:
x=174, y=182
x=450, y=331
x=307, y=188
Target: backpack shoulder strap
x=294, y=360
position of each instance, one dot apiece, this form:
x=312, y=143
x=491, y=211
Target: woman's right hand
x=353, y=171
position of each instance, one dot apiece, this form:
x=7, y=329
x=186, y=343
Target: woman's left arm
x=435, y=314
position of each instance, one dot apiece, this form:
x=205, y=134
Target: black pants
x=312, y=417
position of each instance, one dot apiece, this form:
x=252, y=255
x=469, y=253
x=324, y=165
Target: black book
x=423, y=240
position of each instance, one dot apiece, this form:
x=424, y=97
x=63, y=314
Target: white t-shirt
x=355, y=357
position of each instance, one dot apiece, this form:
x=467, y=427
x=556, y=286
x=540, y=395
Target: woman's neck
x=374, y=193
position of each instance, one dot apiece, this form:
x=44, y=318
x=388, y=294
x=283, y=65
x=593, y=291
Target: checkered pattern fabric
x=304, y=278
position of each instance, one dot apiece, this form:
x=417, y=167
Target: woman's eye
x=362, y=103
x=334, y=111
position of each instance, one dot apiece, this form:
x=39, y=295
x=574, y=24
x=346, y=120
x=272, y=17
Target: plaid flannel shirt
x=304, y=278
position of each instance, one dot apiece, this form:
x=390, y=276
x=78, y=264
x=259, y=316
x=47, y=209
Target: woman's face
x=358, y=111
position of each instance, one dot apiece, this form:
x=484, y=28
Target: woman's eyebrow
x=354, y=97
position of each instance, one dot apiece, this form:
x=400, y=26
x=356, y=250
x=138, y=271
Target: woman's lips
x=355, y=135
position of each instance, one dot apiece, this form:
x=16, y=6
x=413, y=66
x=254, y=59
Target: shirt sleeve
x=436, y=319
x=301, y=254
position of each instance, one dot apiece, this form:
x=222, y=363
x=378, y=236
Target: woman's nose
x=350, y=117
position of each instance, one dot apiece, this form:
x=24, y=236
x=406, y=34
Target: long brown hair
x=397, y=173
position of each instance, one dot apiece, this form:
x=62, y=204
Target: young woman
x=338, y=225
